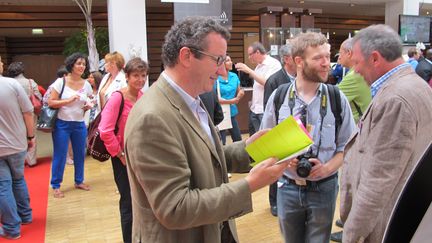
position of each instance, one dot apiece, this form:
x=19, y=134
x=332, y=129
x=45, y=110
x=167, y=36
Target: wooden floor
x=93, y=216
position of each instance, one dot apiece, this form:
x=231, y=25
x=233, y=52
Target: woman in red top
x=136, y=74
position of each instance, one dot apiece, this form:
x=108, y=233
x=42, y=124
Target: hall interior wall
x=159, y=20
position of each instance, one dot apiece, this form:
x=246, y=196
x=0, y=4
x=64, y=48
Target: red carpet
x=37, y=179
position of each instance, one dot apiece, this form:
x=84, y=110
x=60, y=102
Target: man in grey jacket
x=391, y=136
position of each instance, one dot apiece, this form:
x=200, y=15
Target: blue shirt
x=328, y=146
x=228, y=89
x=413, y=62
x=376, y=86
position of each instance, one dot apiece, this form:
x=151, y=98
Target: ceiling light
x=427, y=12
x=301, y=1
x=37, y=31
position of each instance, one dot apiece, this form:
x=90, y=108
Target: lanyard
x=323, y=110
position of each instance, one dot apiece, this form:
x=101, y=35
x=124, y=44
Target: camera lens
x=303, y=168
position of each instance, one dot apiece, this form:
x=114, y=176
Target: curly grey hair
x=190, y=32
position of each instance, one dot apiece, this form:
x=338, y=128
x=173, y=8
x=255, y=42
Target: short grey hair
x=347, y=44
x=190, y=32
x=258, y=46
x=381, y=38
x=285, y=50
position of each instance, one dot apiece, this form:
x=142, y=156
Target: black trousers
x=125, y=203
x=273, y=194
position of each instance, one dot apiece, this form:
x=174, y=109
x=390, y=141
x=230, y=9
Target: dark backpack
x=95, y=146
x=334, y=96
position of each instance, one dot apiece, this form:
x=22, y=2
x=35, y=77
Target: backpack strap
x=279, y=98
x=336, y=107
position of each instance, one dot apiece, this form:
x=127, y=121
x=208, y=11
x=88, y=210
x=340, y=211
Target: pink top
x=114, y=143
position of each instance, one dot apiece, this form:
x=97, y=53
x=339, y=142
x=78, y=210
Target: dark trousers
x=125, y=203
x=273, y=194
x=254, y=122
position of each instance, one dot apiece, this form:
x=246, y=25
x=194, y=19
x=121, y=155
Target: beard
x=311, y=74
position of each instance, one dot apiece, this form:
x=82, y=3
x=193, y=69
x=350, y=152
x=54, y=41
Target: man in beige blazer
x=392, y=135
x=175, y=160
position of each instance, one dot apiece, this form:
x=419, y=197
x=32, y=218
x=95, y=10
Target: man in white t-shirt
x=266, y=66
x=16, y=136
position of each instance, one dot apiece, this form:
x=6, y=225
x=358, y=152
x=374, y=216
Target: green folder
x=285, y=141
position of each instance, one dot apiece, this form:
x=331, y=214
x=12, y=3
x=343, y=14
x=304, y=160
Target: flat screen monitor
x=413, y=29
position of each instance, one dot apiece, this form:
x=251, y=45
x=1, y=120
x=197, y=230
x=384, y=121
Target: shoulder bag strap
x=120, y=112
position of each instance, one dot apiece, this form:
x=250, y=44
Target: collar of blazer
x=394, y=78
x=179, y=104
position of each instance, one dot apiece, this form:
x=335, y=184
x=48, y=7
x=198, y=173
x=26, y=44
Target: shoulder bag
x=95, y=145
x=37, y=103
x=48, y=115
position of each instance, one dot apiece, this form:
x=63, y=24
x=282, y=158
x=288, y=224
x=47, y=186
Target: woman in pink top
x=136, y=74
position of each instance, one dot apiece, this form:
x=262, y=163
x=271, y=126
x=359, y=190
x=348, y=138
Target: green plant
x=78, y=42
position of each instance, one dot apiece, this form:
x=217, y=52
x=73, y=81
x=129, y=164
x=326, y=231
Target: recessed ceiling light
x=427, y=12
x=37, y=31
x=301, y=1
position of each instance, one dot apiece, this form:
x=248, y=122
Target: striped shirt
x=376, y=86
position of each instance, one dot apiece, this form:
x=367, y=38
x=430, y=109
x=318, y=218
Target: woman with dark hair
x=16, y=71
x=136, y=74
x=70, y=121
x=94, y=79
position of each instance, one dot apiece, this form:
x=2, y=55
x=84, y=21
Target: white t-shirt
x=73, y=111
x=267, y=68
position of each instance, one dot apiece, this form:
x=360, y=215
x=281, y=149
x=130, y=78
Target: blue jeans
x=254, y=122
x=14, y=195
x=306, y=212
x=64, y=131
x=234, y=131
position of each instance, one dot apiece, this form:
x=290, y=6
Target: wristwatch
x=30, y=137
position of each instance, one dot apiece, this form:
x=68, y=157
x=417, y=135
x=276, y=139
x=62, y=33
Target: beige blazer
x=178, y=178
x=393, y=134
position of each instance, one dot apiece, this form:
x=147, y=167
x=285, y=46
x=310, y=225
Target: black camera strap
x=323, y=110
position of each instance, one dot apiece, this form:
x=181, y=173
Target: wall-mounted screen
x=413, y=29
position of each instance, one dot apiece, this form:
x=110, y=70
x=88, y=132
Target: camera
x=304, y=166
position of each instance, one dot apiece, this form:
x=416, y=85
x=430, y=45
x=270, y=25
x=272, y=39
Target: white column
x=394, y=8
x=127, y=28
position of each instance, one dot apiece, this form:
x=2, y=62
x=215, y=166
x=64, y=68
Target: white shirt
x=73, y=111
x=194, y=105
x=118, y=83
x=267, y=68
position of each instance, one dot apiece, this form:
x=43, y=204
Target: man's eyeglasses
x=218, y=59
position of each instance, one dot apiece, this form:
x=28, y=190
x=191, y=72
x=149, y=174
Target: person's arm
x=29, y=123
x=239, y=92
x=35, y=89
x=163, y=171
x=244, y=68
x=108, y=123
x=390, y=142
x=54, y=100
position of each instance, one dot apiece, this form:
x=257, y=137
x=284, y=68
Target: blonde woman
x=113, y=80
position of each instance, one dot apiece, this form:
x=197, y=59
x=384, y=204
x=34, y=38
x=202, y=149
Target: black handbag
x=48, y=115
x=95, y=145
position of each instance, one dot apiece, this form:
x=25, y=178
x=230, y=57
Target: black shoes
x=273, y=210
x=339, y=223
x=337, y=237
